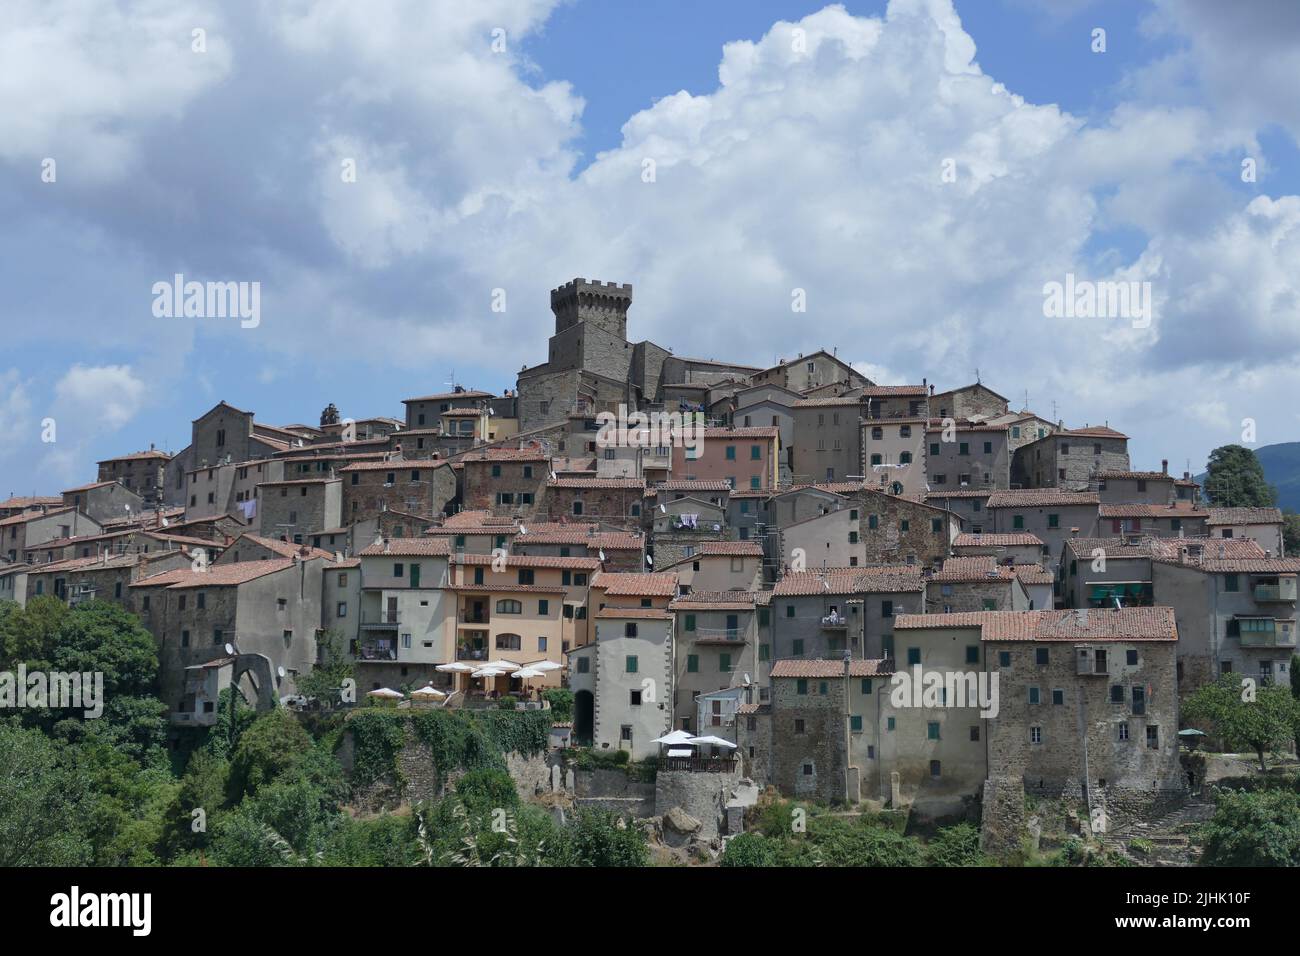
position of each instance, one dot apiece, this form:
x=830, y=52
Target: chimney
x=1164, y=466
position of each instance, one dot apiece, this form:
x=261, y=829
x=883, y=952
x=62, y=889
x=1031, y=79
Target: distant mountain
x=1281, y=465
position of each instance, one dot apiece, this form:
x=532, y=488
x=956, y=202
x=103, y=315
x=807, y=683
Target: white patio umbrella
x=387, y=693
x=675, y=737
x=714, y=741
x=527, y=673
x=429, y=691
x=455, y=667
x=544, y=666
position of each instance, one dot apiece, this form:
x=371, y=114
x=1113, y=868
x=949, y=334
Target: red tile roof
x=217, y=575
x=1245, y=516
x=1014, y=539
x=1122, y=624
x=604, y=483
x=643, y=613
x=750, y=549
x=409, y=547
x=819, y=668
x=715, y=601
x=1042, y=498
x=633, y=584
x=531, y=561
x=703, y=484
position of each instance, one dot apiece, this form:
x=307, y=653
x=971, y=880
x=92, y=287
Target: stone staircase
x=1169, y=836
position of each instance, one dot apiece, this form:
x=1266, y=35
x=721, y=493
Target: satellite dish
x=127, y=507
x=602, y=554
x=746, y=679
x=523, y=530
x=649, y=560
x=230, y=648
x=165, y=523
x=491, y=412
x=664, y=509
x=280, y=671
x=553, y=476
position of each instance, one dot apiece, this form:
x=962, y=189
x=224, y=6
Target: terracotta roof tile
x=409, y=547
x=822, y=669
x=1010, y=540
x=1245, y=516
x=1042, y=498
x=633, y=584
x=1122, y=624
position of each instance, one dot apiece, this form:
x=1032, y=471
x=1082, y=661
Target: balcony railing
x=835, y=622
x=699, y=764
x=1268, y=637
x=382, y=651
x=1275, y=592
x=472, y=617
x=718, y=634
x=471, y=653
x=383, y=619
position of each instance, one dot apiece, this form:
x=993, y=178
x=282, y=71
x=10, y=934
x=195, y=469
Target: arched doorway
x=584, y=711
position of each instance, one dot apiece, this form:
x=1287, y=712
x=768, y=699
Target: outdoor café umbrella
x=713, y=741
x=676, y=737
x=455, y=667
x=429, y=691
x=387, y=693
x=543, y=666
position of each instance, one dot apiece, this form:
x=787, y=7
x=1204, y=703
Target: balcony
x=381, y=620
x=467, y=616
x=466, y=653
x=1256, y=632
x=835, y=622
x=377, y=651
x=1283, y=591
x=718, y=635
x=699, y=764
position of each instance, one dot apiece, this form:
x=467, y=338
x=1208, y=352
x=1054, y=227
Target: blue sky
x=518, y=171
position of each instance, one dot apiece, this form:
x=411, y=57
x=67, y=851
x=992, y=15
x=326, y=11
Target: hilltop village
x=898, y=594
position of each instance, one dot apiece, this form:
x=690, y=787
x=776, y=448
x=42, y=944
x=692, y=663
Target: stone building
x=898, y=530
x=1135, y=487
x=966, y=455
x=810, y=371
x=893, y=455
x=969, y=401
x=1236, y=611
x=28, y=529
x=1051, y=515
x=617, y=550
x=975, y=584
x=404, y=615
x=717, y=639
x=1178, y=519
x=426, y=411
x=224, y=434
x=720, y=566
x=827, y=439
x=296, y=510
x=969, y=505
x=1069, y=458
x=268, y=611
x=617, y=501
x=231, y=489
x=143, y=472
x=623, y=680
x=1261, y=525
x=1011, y=548
x=505, y=481
x=422, y=487
x=105, y=500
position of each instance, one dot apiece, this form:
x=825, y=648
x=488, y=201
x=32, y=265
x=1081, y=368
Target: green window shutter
x=872, y=521
x=801, y=686
x=690, y=622
x=866, y=686
x=724, y=663
x=855, y=722
x=972, y=654
x=932, y=730
x=889, y=723
x=797, y=649
x=692, y=663
x=764, y=652
x=913, y=656
x=764, y=616
x=631, y=663
x=1017, y=521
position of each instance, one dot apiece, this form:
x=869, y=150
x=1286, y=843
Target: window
x=936, y=525
x=692, y=663
x=886, y=608
x=756, y=452
x=872, y=521
x=1116, y=694
x=724, y=663
x=1153, y=737
x=855, y=723
x=634, y=698
x=510, y=606
x=972, y=654
x=913, y=656
x=526, y=576
x=963, y=448
x=935, y=768
x=1123, y=731
x=398, y=570
x=1230, y=582
x=1131, y=657
x=1035, y=735
x=801, y=686
x=1004, y=658
x=731, y=453
x=629, y=629
x=796, y=647
x=904, y=525
x=629, y=664
x=1041, y=656
x=185, y=638
x=544, y=607
x=1033, y=695
x=341, y=609
x=1018, y=522
x=904, y=457
x=1058, y=698
x=799, y=729
x=1139, y=701
x=509, y=642
x=932, y=730
x=1053, y=521
x=584, y=665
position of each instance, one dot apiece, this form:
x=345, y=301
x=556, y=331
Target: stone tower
x=603, y=305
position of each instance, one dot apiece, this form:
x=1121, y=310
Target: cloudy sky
x=503, y=145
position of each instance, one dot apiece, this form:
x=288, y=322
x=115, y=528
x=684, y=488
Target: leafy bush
x=1253, y=829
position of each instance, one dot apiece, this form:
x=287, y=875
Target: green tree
x=956, y=846
x=561, y=701
x=44, y=802
x=28, y=633
x=1265, y=723
x=1254, y=829
x=1291, y=533
x=601, y=838
x=1235, y=479
x=271, y=745
x=751, y=850
x=325, y=681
